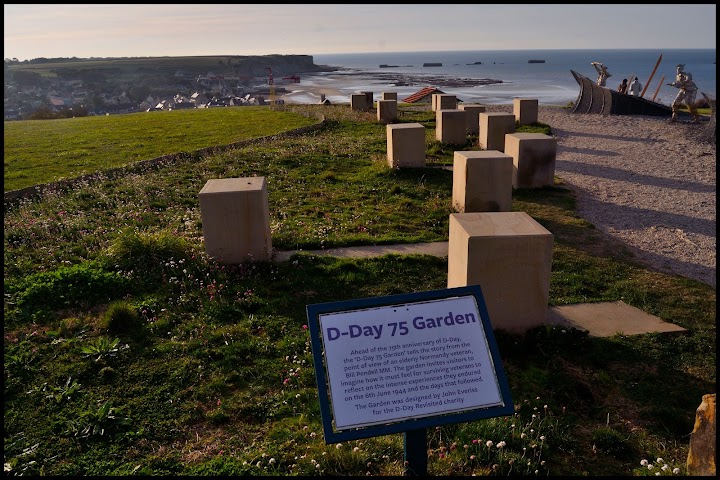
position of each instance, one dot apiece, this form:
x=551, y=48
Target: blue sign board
x=406, y=362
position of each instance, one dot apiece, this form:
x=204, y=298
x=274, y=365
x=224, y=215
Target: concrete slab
x=604, y=319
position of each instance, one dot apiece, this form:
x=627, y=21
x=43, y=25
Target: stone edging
x=158, y=162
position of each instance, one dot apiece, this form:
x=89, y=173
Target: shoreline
x=337, y=87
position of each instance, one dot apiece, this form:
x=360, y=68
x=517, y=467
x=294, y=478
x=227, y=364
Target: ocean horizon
x=549, y=80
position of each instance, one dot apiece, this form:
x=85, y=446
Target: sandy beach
x=336, y=88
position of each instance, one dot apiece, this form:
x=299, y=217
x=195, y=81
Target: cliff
x=280, y=64
x=128, y=67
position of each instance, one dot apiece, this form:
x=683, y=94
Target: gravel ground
x=646, y=182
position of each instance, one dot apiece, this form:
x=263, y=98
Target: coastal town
x=210, y=90
x=74, y=92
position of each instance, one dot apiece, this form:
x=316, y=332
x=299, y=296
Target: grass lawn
x=41, y=151
x=127, y=350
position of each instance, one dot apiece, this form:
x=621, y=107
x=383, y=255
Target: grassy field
x=128, y=351
x=32, y=155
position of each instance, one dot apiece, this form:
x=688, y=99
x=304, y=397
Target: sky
x=147, y=30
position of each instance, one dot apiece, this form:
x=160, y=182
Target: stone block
x=533, y=159
x=434, y=101
x=406, y=145
x=387, y=111
x=446, y=101
x=493, y=126
x=450, y=126
x=472, y=120
x=509, y=255
x=525, y=110
x=703, y=440
x=368, y=99
x=482, y=181
x=358, y=101
x=389, y=96
x=236, y=219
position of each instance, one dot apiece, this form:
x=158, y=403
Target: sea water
x=550, y=82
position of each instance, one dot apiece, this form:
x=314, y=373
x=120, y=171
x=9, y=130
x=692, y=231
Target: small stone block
x=450, y=126
x=533, y=159
x=386, y=111
x=406, y=145
x=482, y=181
x=446, y=101
x=389, y=96
x=358, y=101
x=525, y=110
x=434, y=101
x=236, y=219
x=368, y=99
x=473, y=120
x=509, y=255
x=492, y=129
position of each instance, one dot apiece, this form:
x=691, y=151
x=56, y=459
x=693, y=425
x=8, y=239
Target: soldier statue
x=603, y=74
x=686, y=95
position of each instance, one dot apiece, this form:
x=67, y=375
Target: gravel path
x=644, y=181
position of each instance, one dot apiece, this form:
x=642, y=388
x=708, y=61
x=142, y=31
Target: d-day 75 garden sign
x=406, y=362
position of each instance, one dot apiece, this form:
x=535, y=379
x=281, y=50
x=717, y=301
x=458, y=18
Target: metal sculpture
x=603, y=74
x=686, y=95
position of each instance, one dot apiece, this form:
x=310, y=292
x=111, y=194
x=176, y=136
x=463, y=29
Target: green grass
x=89, y=144
x=219, y=380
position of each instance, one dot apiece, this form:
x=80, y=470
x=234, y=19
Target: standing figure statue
x=686, y=95
x=623, y=87
x=603, y=74
x=635, y=87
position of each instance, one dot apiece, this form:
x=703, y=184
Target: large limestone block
x=389, y=96
x=509, y=255
x=387, y=111
x=533, y=159
x=446, y=101
x=358, y=101
x=703, y=439
x=473, y=120
x=492, y=129
x=450, y=126
x=406, y=145
x=482, y=181
x=236, y=219
x=525, y=110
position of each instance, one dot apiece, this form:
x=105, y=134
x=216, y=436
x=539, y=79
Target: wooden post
x=658, y=88
x=657, y=64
